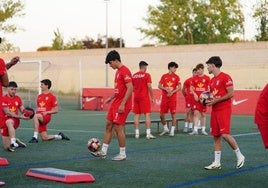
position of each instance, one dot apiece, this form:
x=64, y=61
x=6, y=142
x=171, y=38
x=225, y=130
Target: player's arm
x=128, y=93
x=160, y=86
x=196, y=98
x=4, y=79
x=11, y=114
x=12, y=62
x=178, y=88
x=184, y=90
x=53, y=110
x=150, y=89
x=109, y=99
x=228, y=95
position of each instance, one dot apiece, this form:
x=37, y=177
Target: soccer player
x=170, y=85
x=143, y=97
x=200, y=83
x=12, y=105
x=4, y=81
x=189, y=98
x=46, y=106
x=261, y=115
x=220, y=121
x=119, y=109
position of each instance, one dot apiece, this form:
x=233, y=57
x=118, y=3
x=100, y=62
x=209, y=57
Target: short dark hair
x=12, y=84
x=216, y=60
x=199, y=66
x=47, y=82
x=194, y=70
x=111, y=56
x=173, y=64
x=143, y=63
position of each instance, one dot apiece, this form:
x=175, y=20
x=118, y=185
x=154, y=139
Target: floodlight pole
x=106, y=44
x=121, y=24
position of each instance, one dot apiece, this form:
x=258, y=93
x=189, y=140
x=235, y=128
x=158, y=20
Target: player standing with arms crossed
x=143, y=97
x=221, y=85
x=119, y=109
x=170, y=85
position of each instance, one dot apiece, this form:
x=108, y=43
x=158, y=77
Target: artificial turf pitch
x=162, y=162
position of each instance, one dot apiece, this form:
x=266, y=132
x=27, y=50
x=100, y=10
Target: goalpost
x=28, y=74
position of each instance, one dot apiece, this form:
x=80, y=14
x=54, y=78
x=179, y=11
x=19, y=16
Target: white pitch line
x=247, y=134
x=77, y=131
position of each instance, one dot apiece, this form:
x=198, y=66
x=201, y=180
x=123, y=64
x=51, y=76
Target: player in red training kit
x=119, y=109
x=46, y=106
x=143, y=97
x=200, y=83
x=12, y=105
x=189, y=98
x=4, y=79
x=220, y=120
x=261, y=115
x=170, y=85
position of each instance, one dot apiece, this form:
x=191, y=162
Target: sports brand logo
x=238, y=102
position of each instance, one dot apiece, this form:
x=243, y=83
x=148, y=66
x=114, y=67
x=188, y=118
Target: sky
x=87, y=18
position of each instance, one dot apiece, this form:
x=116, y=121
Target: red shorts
x=189, y=101
x=220, y=122
x=43, y=125
x=4, y=129
x=167, y=106
x=196, y=105
x=115, y=117
x=2, y=119
x=264, y=134
x=142, y=106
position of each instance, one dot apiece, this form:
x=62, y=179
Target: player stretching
x=46, y=106
x=12, y=105
x=119, y=109
x=222, y=87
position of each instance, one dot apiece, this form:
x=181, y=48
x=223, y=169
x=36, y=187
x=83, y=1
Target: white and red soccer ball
x=94, y=144
x=205, y=97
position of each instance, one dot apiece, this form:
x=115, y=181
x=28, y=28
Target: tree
x=73, y=44
x=193, y=21
x=261, y=17
x=58, y=42
x=10, y=9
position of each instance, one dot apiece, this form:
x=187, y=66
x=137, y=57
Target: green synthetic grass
x=162, y=162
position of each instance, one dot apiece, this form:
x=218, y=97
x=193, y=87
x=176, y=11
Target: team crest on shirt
x=42, y=104
x=215, y=92
x=12, y=109
x=200, y=85
x=169, y=84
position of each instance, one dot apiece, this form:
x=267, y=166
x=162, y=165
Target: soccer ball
x=28, y=112
x=205, y=97
x=94, y=144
